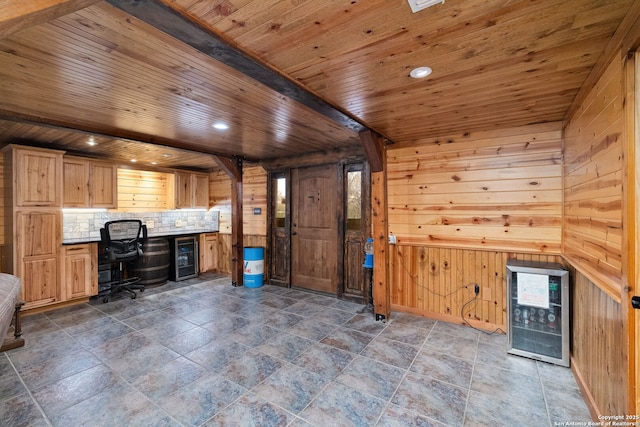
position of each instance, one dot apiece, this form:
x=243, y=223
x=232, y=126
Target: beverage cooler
x=184, y=258
x=538, y=311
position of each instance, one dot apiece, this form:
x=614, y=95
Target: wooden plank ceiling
x=93, y=69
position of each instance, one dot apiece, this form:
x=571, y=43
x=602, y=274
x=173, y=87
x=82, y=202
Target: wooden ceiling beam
x=181, y=27
x=17, y=15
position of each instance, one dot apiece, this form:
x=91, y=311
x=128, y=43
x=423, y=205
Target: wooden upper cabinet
x=103, y=186
x=192, y=190
x=183, y=190
x=37, y=174
x=201, y=191
x=89, y=183
x=76, y=183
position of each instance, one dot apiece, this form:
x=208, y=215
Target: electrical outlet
x=178, y=223
x=150, y=224
x=392, y=239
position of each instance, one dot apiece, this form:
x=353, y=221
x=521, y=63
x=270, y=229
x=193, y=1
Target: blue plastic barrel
x=253, y=266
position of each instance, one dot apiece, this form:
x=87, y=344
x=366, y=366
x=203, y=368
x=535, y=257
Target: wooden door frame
x=362, y=166
x=285, y=168
x=271, y=176
x=631, y=218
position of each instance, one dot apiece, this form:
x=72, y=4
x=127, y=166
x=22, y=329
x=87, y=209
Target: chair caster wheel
x=105, y=300
x=134, y=296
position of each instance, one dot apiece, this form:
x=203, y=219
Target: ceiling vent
x=418, y=5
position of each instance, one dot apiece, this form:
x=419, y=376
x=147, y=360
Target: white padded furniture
x=9, y=295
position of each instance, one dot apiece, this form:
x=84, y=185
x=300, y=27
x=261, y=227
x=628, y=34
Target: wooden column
x=373, y=147
x=381, y=291
x=377, y=157
x=233, y=169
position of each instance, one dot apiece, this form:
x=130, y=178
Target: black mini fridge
x=184, y=258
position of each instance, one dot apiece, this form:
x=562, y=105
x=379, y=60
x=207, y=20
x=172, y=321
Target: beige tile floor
x=201, y=352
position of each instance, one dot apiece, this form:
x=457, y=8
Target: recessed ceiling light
x=134, y=160
x=420, y=72
x=220, y=126
x=166, y=155
x=154, y=163
x=418, y=5
x=91, y=141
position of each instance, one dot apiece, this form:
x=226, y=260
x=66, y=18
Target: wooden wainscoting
x=598, y=350
x=437, y=283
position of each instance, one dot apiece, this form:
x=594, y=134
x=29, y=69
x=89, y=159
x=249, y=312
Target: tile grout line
x=473, y=368
x=33, y=399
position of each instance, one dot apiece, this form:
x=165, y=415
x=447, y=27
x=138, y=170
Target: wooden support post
x=381, y=285
x=233, y=169
x=373, y=149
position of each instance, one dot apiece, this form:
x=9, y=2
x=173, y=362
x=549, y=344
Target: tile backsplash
x=84, y=225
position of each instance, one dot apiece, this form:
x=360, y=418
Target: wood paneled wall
x=593, y=241
x=254, y=195
x=598, y=350
x=460, y=207
x=254, y=191
x=439, y=282
x=499, y=190
x=220, y=199
x=593, y=144
x=144, y=191
x=254, y=182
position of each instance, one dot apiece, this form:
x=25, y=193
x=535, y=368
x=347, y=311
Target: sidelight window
x=354, y=200
x=280, y=201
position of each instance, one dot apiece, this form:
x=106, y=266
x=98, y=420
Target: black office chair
x=122, y=241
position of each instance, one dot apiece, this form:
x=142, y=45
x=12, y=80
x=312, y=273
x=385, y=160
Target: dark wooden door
x=279, y=237
x=357, y=227
x=316, y=201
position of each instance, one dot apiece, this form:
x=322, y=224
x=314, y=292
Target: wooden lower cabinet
x=40, y=281
x=208, y=252
x=79, y=275
x=36, y=243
